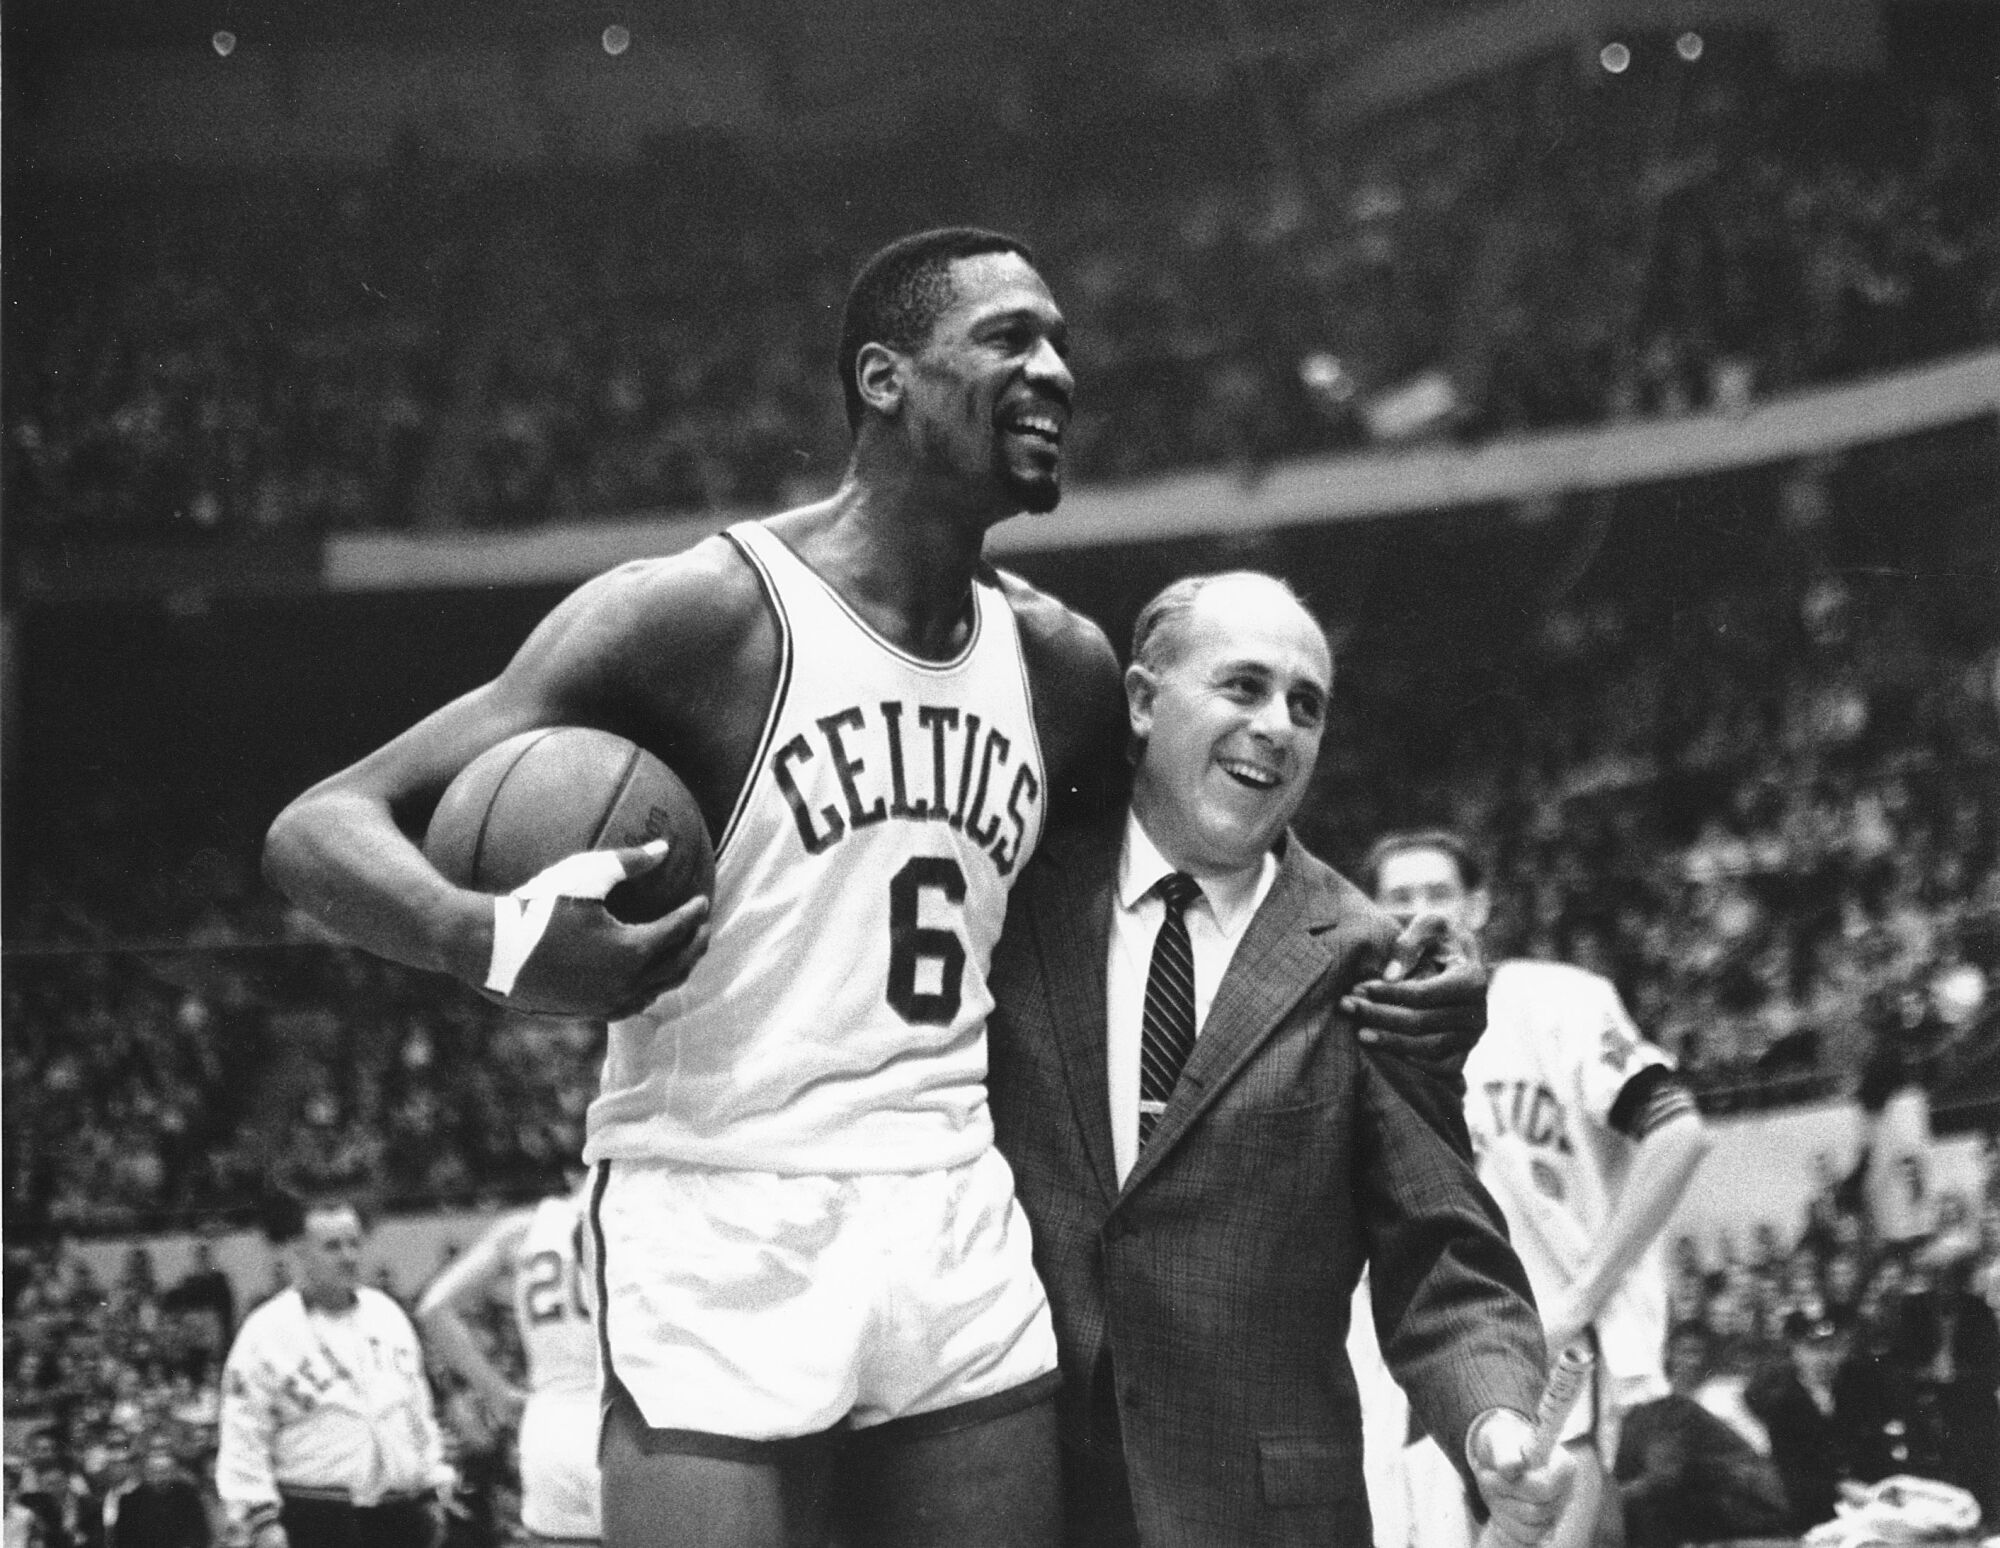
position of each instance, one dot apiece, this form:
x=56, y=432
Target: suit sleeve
x=1453, y=1312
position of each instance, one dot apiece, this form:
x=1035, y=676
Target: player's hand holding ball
x=601, y=865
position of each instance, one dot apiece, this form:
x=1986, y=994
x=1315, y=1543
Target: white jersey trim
x=1027, y=693
x=916, y=663
x=774, y=711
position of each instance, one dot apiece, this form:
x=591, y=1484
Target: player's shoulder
x=620, y=629
x=1551, y=982
x=380, y=1306
x=276, y=1312
x=1051, y=629
x=1079, y=698
x=707, y=588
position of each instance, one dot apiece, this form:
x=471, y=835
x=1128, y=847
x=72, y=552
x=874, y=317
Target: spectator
x=159, y=1507
x=1952, y=1344
x=1798, y=1405
x=55, y=1491
x=205, y=1290
x=1684, y=1476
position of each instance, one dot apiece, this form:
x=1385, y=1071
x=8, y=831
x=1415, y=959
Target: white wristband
x=518, y=924
x=522, y=916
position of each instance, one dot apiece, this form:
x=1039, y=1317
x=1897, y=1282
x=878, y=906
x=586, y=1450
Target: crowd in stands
x=425, y=345
x=113, y=1397
x=111, y=1390
x=1808, y=1364
x=143, y=1088
x=1749, y=770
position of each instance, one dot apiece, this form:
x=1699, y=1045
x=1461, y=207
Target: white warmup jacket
x=333, y=1404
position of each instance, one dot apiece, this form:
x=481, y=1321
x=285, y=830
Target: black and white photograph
x=864, y=774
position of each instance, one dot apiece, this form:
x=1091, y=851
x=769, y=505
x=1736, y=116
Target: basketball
x=519, y=807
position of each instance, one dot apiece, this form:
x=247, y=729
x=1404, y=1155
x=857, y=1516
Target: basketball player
x=536, y=1250
x=1587, y=1139
x=807, y=1250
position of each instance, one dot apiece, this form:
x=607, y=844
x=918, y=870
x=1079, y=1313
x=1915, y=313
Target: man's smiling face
x=989, y=390
x=1230, y=714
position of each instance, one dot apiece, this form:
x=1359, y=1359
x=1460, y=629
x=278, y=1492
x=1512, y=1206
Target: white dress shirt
x=1216, y=921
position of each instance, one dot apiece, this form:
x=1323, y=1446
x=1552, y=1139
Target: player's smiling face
x=1231, y=719
x=989, y=391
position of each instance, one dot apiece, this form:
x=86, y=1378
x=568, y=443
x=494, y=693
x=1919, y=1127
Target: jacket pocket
x=1293, y=1471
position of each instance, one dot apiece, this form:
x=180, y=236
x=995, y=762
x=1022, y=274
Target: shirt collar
x=1141, y=865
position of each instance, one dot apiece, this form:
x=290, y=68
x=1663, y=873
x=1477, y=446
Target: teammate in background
x=1587, y=1138
x=328, y=1436
x=536, y=1250
x=808, y=1256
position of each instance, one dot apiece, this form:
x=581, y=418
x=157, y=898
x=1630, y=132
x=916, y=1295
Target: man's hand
x=1429, y=1005
x=586, y=963
x=1525, y=1498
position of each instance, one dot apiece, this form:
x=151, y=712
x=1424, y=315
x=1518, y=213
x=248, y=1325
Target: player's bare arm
x=677, y=654
x=1661, y=1168
x=440, y=1314
x=1079, y=701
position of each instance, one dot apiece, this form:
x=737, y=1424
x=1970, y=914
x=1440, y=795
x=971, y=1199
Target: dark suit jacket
x=1219, y=1277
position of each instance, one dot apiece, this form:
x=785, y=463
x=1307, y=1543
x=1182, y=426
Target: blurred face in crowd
x=1423, y=880
x=160, y=1467
x=1817, y=1356
x=1687, y=1360
x=1729, y=1315
x=987, y=395
x=1229, y=714
x=329, y=1256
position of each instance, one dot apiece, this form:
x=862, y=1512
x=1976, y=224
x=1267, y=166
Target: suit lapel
x=1073, y=936
x=1298, y=933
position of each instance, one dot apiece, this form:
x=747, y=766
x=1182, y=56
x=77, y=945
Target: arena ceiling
x=87, y=25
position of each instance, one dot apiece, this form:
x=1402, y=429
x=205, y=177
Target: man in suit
x=1206, y=1152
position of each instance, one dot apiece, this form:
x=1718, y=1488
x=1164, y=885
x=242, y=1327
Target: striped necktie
x=1167, y=1032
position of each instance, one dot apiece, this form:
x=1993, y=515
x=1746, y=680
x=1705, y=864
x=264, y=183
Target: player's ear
x=878, y=375
x=1478, y=909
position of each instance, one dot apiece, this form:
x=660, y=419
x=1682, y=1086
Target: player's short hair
x=898, y=295
x=1157, y=631
x=1471, y=868
x=284, y=1210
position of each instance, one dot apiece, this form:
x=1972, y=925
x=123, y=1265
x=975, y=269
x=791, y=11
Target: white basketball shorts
x=768, y=1307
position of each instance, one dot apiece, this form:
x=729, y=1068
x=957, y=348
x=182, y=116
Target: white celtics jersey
x=551, y=1301
x=837, y=1022
x=1539, y=1089
x=558, y=1436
